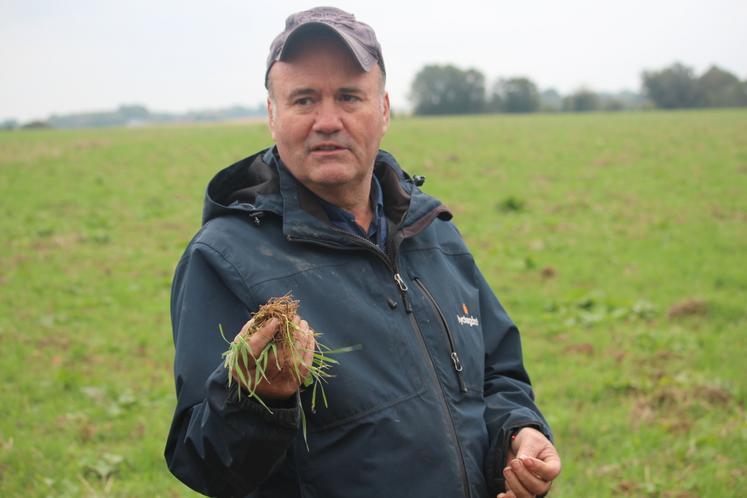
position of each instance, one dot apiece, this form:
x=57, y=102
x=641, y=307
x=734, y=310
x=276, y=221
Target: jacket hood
x=252, y=187
x=248, y=186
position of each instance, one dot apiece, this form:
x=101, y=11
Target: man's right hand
x=280, y=384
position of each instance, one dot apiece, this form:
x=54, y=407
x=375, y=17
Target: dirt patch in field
x=31, y=153
x=688, y=307
x=56, y=242
x=619, y=159
x=669, y=406
x=53, y=342
x=680, y=494
x=548, y=272
x=582, y=348
x=93, y=143
x=627, y=488
x=635, y=488
x=728, y=215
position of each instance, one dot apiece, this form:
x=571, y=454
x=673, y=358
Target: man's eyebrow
x=301, y=92
x=350, y=89
x=306, y=91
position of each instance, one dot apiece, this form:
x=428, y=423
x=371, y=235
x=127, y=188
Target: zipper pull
x=455, y=360
x=403, y=290
x=458, y=368
x=400, y=283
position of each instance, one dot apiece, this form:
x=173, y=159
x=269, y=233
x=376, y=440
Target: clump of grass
x=286, y=351
x=511, y=204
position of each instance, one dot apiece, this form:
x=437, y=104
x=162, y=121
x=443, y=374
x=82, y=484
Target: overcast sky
x=176, y=55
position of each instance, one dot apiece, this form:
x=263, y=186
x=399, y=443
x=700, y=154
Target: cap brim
x=362, y=55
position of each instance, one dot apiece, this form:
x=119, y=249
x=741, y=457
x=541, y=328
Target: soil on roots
x=285, y=309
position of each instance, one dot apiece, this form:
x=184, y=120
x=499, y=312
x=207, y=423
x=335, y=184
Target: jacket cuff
x=283, y=414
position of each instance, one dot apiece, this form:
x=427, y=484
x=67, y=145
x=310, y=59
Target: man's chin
x=330, y=174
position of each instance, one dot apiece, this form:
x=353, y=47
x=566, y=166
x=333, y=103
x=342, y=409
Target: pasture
x=617, y=242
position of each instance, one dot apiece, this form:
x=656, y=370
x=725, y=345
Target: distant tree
x=720, y=88
x=35, y=125
x=672, y=87
x=448, y=90
x=581, y=100
x=551, y=100
x=9, y=124
x=494, y=103
x=612, y=104
x=515, y=95
x=132, y=112
x=630, y=100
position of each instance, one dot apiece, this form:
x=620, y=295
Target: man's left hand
x=532, y=464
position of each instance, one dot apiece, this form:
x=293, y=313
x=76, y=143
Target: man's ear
x=271, y=117
x=386, y=111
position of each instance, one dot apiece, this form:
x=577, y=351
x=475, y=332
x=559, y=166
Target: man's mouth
x=326, y=148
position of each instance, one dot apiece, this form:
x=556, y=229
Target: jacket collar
x=255, y=188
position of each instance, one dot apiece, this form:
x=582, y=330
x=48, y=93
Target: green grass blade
x=220, y=328
x=313, y=398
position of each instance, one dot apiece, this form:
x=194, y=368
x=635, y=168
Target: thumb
x=529, y=442
x=263, y=335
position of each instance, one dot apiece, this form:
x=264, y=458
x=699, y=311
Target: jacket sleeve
x=218, y=444
x=509, y=398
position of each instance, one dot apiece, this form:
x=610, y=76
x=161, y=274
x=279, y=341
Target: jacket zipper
x=440, y=391
x=402, y=286
x=456, y=362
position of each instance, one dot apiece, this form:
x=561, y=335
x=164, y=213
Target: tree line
x=136, y=115
x=447, y=89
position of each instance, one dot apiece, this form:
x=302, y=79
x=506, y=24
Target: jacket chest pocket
x=453, y=332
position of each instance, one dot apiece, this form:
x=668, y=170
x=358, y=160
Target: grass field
x=618, y=243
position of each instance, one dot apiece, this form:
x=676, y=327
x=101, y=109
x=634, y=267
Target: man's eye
x=349, y=98
x=303, y=101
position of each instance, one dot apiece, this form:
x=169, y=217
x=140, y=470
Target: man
x=436, y=403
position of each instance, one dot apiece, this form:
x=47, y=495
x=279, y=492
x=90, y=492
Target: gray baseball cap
x=359, y=37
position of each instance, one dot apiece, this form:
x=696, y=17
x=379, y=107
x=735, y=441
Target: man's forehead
x=324, y=57
x=292, y=79
x=288, y=81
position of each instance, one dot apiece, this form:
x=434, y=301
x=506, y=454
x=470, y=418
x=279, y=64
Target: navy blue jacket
x=425, y=407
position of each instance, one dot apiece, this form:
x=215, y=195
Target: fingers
x=514, y=485
x=308, y=350
x=306, y=343
x=523, y=481
x=547, y=468
x=508, y=494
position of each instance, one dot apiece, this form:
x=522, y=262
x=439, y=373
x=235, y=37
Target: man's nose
x=328, y=118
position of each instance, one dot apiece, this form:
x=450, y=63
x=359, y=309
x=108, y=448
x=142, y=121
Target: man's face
x=327, y=116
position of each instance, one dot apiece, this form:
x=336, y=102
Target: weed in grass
x=511, y=204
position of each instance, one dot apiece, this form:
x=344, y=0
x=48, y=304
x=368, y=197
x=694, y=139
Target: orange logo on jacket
x=467, y=319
